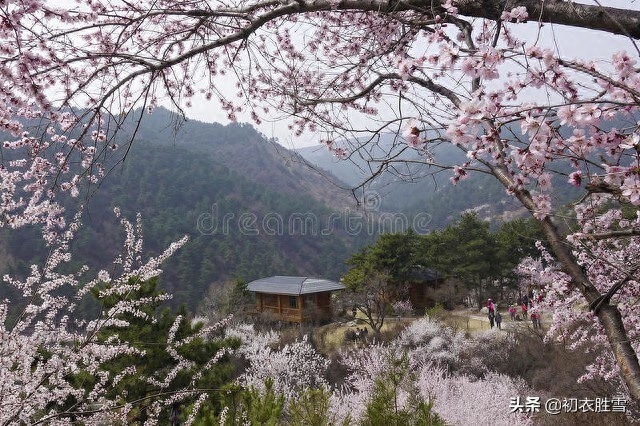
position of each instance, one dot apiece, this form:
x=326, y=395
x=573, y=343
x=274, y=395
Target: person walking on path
x=512, y=312
x=492, y=317
x=535, y=319
x=498, y=320
x=491, y=306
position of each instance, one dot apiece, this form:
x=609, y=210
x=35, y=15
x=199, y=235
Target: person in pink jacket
x=512, y=312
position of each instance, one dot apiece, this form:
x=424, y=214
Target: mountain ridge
x=251, y=207
x=248, y=214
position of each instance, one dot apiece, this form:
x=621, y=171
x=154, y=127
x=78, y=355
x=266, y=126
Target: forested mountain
x=243, y=150
x=416, y=188
x=251, y=207
x=248, y=211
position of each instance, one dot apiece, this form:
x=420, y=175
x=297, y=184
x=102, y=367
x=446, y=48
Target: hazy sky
x=570, y=42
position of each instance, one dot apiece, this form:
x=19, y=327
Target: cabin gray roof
x=420, y=273
x=293, y=285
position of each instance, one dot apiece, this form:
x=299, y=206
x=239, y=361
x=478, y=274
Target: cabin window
x=293, y=302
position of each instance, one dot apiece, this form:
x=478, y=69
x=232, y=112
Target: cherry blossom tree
x=292, y=368
x=428, y=71
x=61, y=366
x=427, y=363
x=428, y=349
x=611, y=264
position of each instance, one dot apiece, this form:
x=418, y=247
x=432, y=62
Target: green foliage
x=516, y=240
x=467, y=251
x=480, y=259
x=251, y=406
x=435, y=311
x=395, y=255
x=384, y=409
x=264, y=408
x=150, y=339
x=355, y=278
x=255, y=407
x=310, y=409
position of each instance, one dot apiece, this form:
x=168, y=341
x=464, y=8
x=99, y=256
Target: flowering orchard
x=429, y=71
x=423, y=363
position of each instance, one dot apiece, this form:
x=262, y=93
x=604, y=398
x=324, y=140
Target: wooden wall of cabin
x=312, y=307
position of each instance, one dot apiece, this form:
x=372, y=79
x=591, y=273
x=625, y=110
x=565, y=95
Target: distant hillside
x=243, y=150
x=416, y=188
x=249, y=212
x=253, y=208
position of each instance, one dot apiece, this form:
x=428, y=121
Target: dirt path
x=332, y=336
x=466, y=320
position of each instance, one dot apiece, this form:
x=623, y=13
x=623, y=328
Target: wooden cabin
x=295, y=299
x=421, y=282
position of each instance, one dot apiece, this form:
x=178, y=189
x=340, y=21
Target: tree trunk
x=608, y=315
x=593, y=17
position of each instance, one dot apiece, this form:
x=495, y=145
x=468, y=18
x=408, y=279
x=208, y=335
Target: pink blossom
x=340, y=152
x=432, y=349
x=406, y=67
x=411, y=134
x=543, y=205
x=567, y=114
x=589, y=114
x=544, y=182
x=449, y=7
x=517, y=14
x=632, y=142
x=614, y=174
x=631, y=188
x=575, y=178
x=624, y=64
x=449, y=54
x=294, y=368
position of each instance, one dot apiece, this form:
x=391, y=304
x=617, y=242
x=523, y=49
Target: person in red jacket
x=535, y=319
x=491, y=306
x=512, y=312
x=524, y=310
